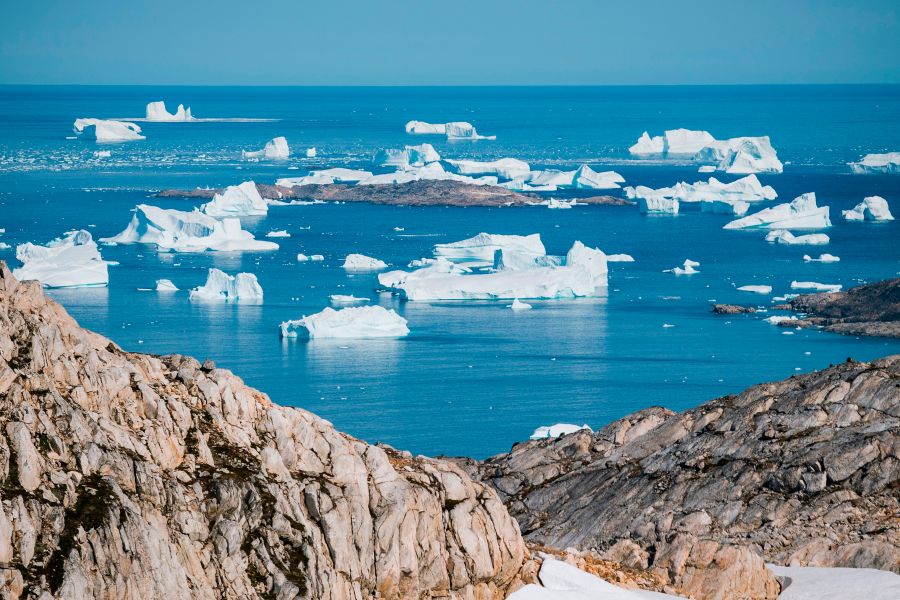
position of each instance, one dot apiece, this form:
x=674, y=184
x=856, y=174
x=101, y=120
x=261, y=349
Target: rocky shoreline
x=872, y=309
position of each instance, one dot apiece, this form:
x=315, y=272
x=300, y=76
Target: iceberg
x=313, y=258
x=438, y=267
x=165, y=285
x=156, y=112
x=756, y=289
x=353, y=322
x=873, y=208
x=310, y=153
x=619, y=258
x=518, y=305
x=877, y=163
x=560, y=204
x=505, y=168
x=746, y=189
x=237, y=201
x=389, y=179
x=592, y=259
x=275, y=149
x=750, y=155
x=107, y=131
x=458, y=130
x=783, y=236
x=800, y=213
x=181, y=231
x=554, y=431
x=483, y=247
x=280, y=233
x=342, y=175
x=581, y=178
x=345, y=299
x=823, y=258
x=361, y=262
x=219, y=285
x=816, y=286
x=415, y=156
x=740, y=155
x=778, y=319
x=586, y=178
x=70, y=261
x=686, y=142
x=423, y=128
x=686, y=269
x=735, y=208
x=658, y=205
x=648, y=146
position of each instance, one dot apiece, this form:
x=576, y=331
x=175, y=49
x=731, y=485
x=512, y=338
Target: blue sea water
x=472, y=378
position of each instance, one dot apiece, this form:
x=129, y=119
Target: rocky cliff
x=805, y=471
x=126, y=475
x=871, y=309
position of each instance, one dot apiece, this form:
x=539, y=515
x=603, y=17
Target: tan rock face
x=134, y=476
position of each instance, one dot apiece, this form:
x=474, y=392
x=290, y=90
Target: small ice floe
x=100, y=130
x=783, y=236
x=457, y=130
x=361, y=262
x=237, y=201
x=70, y=261
x=873, y=208
x=823, y=258
x=398, y=229
x=345, y=299
x=518, y=305
x=312, y=258
x=619, y=258
x=102, y=154
x=278, y=233
x=560, y=204
x=4, y=246
x=275, y=149
x=165, y=285
x=688, y=268
x=310, y=153
x=815, y=286
x=756, y=289
x=157, y=113
x=219, y=285
x=801, y=213
x=667, y=325
x=554, y=431
x=877, y=163
x=784, y=298
x=778, y=319
x=354, y=322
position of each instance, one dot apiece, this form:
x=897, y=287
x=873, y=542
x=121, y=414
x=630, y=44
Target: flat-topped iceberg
x=165, y=285
x=107, y=131
x=70, y=261
x=237, y=201
x=181, y=231
x=877, y=163
x=278, y=233
x=457, y=130
x=823, y=258
x=756, y=289
x=783, y=236
x=800, y=213
x=581, y=178
x=156, y=112
x=219, y=285
x=423, y=128
x=554, y=431
x=740, y=155
x=746, y=189
x=409, y=156
x=505, y=168
x=275, y=149
x=658, y=205
x=353, y=322
x=429, y=268
x=816, y=286
x=483, y=247
x=326, y=177
x=873, y=208
x=361, y=262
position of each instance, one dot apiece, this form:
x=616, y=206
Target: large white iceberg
x=783, y=236
x=877, y=163
x=219, y=285
x=756, y=289
x=237, y=201
x=410, y=156
x=181, y=231
x=483, y=247
x=457, y=130
x=353, y=322
x=70, y=261
x=107, y=131
x=361, y=262
x=423, y=128
x=505, y=168
x=430, y=268
x=746, y=189
x=275, y=149
x=156, y=112
x=740, y=155
x=873, y=208
x=800, y=213
x=165, y=285
x=554, y=431
x=581, y=178
x=658, y=205
x=816, y=286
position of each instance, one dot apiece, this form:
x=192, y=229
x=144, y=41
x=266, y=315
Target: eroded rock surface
x=871, y=309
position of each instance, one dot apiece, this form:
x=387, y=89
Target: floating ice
x=237, y=201
x=165, y=285
x=756, y=289
x=592, y=259
x=873, y=208
x=800, y=213
x=458, y=130
x=878, y=163
x=483, y=247
x=823, y=258
x=219, y=285
x=107, y=131
x=783, y=236
x=554, y=431
x=361, y=262
x=102, y=154
x=559, y=204
x=506, y=168
x=275, y=149
x=619, y=258
x=581, y=178
x=649, y=146
x=686, y=269
x=658, y=205
x=737, y=208
x=180, y=231
x=345, y=299
x=818, y=287
x=354, y=322
x=775, y=320
x=280, y=233
x=741, y=155
x=415, y=156
x=389, y=179
x=423, y=128
x=70, y=261
x=156, y=111
x=746, y=189
x=313, y=258
x=518, y=305
x=310, y=153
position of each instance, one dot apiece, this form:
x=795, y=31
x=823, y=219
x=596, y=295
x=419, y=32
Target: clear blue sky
x=401, y=42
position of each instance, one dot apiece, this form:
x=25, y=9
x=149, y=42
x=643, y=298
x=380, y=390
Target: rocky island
x=871, y=309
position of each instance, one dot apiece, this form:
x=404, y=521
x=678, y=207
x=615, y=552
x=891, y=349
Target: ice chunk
x=389, y=179
x=460, y=130
x=707, y=169
x=354, y=322
x=275, y=149
x=415, y=156
x=554, y=431
x=800, y=213
x=539, y=282
x=559, y=204
x=836, y=583
x=823, y=258
x=483, y=247
x=361, y=262
x=685, y=142
x=878, y=163
x=783, y=236
x=756, y=289
x=107, y=131
x=180, y=231
x=341, y=175
x=737, y=208
x=619, y=258
x=431, y=267
x=313, y=258
x=593, y=259
x=280, y=233
x=648, y=146
x=777, y=319
x=740, y=155
x=237, y=201
x=746, y=189
x=505, y=168
x=345, y=299
x=518, y=305
x=310, y=153
x=156, y=111
x=587, y=178
x=658, y=205
x=165, y=285
x=70, y=261
x=423, y=128
x=219, y=285
x=818, y=287
x=102, y=154
x=686, y=269
x=873, y=208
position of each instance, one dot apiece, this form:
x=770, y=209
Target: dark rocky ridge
x=871, y=309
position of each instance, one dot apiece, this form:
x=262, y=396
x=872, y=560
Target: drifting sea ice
x=756, y=289
x=783, y=236
x=156, y=112
x=219, y=285
x=877, y=163
x=165, y=285
x=310, y=153
x=458, y=130
x=361, y=262
x=410, y=156
x=313, y=258
x=345, y=299
x=658, y=205
x=107, y=131
x=353, y=322
x=423, y=128
x=275, y=149
x=483, y=247
x=823, y=258
x=554, y=431
x=505, y=168
x=741, y=155
x=815, y=286
x=70, y=261
x=746, y=189
x=688, y=268
x=237, y=201
x=279, y=233
x=518, y=305
x=800, y=213
x=873, y=208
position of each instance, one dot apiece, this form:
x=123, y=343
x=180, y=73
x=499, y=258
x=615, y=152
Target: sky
x=461, y=42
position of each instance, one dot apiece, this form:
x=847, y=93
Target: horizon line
x=446, y=85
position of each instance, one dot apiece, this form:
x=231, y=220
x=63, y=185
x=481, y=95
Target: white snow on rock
x=562, y=581
x=823, y=258
x=70, y=261
x=353, y=322
x=165, y=285
x=756, y=289
x=783, y=236
x=877, y=163
x=279, y=233
x=237, y=201
x=554, y=431
x=484, y=246
x=836, y=583
x=361, y=262
x=275, y=149
x=156, y=112
x=181, y=231
x=518, y=305
x=505, y=168
x=873, y=208
x=800, y=213
x=816, y=286
x=740, y=155
x=219, y=285
x=107, y=131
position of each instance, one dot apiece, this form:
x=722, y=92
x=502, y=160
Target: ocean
x=471, y=378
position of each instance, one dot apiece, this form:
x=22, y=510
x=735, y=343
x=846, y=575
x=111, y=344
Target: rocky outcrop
x=805, y=471
x=871, y=309
x=732, y=309
x=126, y=475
